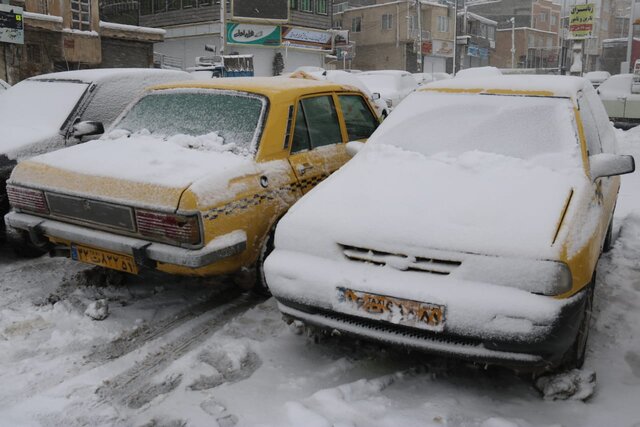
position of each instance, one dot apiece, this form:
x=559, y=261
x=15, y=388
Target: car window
x=605, y=128
x=108, y=101
x=316, y=124
x=589, y=126
x=357, y=116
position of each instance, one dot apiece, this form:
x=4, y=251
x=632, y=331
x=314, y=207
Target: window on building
x=81, y=15
x=174, y=4
x=491, y=33
x=554, y=19
x=413, y=22
x=293, y=4
x=531, y=40
x=159, y=6
x=483, y=30
x=543, y=17
x=356, y=24
x=387, y=21
x=443, y=24
x=338, y=23
x=305, y=5
x=146, y=7
x=321, y=7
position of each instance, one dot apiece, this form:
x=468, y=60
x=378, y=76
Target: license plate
x=102, y=258
x=404, y=312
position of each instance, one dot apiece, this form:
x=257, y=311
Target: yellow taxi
x=192, y=178
x=469, y=225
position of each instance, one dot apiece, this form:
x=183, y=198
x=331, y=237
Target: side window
x=359, y=120
x=322, y=121
x=301, y=140
x=589, y=125
x=605, y=129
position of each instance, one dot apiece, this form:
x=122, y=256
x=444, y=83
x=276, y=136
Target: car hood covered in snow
x=21, y=141
x=139, y=170
x=388, y=198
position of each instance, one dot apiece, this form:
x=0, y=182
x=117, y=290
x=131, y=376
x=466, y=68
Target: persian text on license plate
x=395, y=310
x=102, y=258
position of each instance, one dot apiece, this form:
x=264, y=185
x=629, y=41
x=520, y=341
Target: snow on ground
x=184, y=352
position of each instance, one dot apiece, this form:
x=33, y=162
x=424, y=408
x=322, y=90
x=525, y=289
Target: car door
x=317, y=145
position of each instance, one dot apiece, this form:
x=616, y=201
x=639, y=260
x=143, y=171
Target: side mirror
x=375, y=96
x=81, y=129
x=354, y=147
x=605, y=164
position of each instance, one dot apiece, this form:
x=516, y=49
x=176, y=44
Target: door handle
x=304, y=167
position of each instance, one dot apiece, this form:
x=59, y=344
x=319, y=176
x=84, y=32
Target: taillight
x=171, y=227
x=27, y=199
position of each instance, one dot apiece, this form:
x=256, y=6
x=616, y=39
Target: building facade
x=62, y=35
x=194, y=30
x=530, y=27
x=389, y=35
x=476, y=40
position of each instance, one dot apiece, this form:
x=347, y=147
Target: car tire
x=260, y=286
x=608, y=239
x=575, y=356
x=22, y=245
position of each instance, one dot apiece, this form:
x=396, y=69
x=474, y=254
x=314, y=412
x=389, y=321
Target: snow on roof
x=564, y=86
x=134, y=28
x=478, y=17
x=105, y=73
x=42, y=17
x=261, y=85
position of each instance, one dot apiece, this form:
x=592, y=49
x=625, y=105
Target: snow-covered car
x=477, y=72
x=350, y=79
x=620, y=100
x=391, y=85
x=52, y=111
x=426, y=78
x=191, y=178
x=470, y=224
x=597, y=77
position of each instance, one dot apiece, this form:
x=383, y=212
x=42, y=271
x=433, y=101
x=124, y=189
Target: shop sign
x=581, y=20
x=307, y=39
x=443, y=48
x=427, y=48
x=253, y=34
x=11, y=24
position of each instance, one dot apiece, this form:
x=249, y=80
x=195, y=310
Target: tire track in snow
x=133, y=387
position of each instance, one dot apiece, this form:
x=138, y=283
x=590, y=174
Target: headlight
x=27, y=199
x=556, y=279
x=169, y=227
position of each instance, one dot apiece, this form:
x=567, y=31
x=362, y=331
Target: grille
x=401, y=261
x=87, y=210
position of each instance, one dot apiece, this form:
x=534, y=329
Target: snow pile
x=574, y=385
x=98, y=310
x=209, y=142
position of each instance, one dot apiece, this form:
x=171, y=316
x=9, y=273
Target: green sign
x=254, y=34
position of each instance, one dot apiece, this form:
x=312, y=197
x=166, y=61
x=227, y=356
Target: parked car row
x=469, y=224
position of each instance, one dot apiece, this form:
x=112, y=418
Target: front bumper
x=483, y=322
x=144, y=252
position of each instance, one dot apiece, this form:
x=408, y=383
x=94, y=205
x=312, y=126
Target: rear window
x=235, y=117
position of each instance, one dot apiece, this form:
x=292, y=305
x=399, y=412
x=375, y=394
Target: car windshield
x=524, y=127
x=40, y=104
x=234, y=118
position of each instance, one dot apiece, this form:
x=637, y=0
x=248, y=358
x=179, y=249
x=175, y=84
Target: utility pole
x=455, y=35
x=420, y=58
x=223, y=26
x=513, y=41
x=630, y=37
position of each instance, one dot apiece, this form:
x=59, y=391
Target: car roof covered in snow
x=100, y=74
x=532, y=85
x=267, y=86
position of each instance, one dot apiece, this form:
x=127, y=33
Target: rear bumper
x=143, y=251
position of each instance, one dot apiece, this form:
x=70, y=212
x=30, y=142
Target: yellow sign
x=581, y=21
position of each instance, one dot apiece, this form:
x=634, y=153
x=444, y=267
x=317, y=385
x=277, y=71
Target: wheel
x=22, y=245
x=574, y=359
x=260, y=286
x=608, y=239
